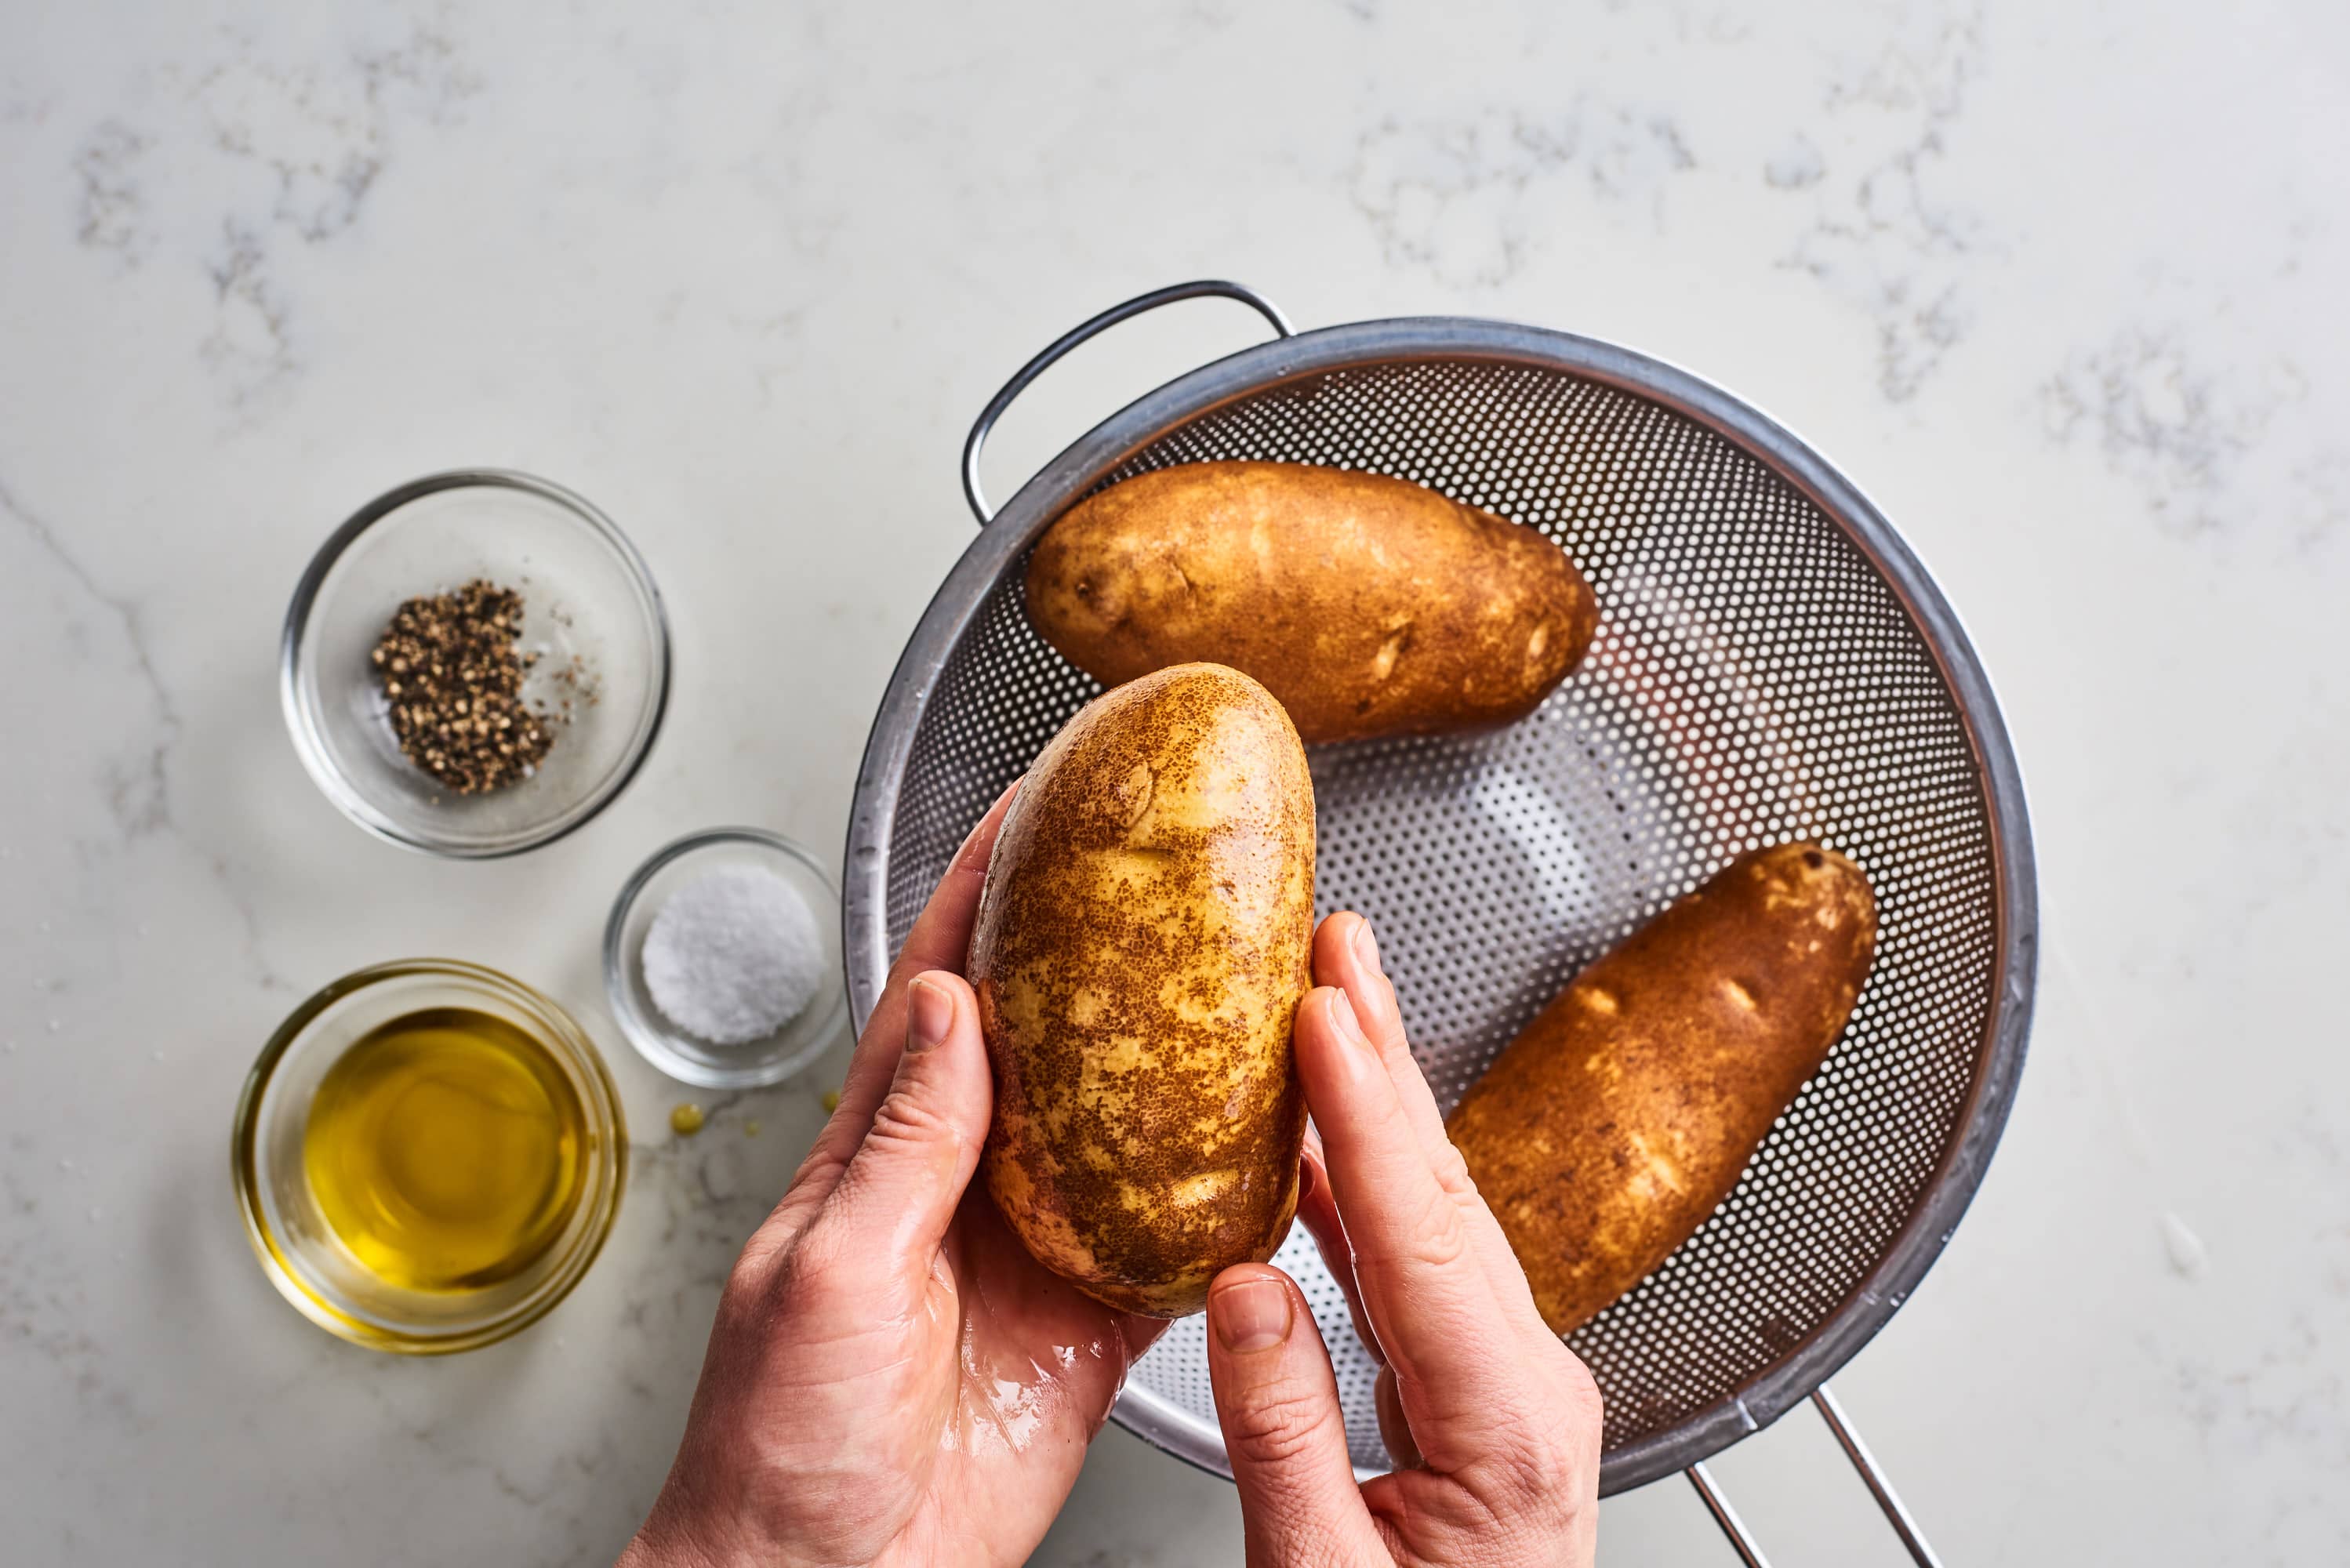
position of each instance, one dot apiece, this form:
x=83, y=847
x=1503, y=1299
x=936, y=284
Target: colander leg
x=1879, y=1486
x=1862, y=1460
x=1726, y=1516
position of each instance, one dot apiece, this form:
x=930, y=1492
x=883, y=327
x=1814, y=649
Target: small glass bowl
x=591, y=613
x=686, y=1057
x=299, y=1251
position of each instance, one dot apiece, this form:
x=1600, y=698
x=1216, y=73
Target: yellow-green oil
x=445, y=1147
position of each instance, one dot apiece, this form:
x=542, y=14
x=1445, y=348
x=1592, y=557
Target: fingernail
x=1252, y=1314
x=929, y=1013
x=1371, y=1007
x=1342, y=1014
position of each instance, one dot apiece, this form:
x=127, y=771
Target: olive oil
x=445, y=1149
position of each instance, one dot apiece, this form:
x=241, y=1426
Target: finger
x=1318, y=1212
x=1394, y=1428
x=939, y=939
x=1285, y=1433
x=1347, y=955
x=1425, y=1286
x=894, y=1201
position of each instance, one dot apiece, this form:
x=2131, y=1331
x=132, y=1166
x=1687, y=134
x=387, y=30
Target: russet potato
x=1143, y=940
x=1609, y=1130
x=1367, y=605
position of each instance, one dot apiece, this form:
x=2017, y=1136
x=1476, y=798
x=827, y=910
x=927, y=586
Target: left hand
x=891, y=1378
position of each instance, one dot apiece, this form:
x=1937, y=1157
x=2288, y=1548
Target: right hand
x=1492, y=1422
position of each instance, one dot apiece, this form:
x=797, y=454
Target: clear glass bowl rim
x=616, y=987
x=604, y=1115
x=318, y=762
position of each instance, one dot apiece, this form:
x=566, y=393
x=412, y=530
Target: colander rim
x=1787, y=1381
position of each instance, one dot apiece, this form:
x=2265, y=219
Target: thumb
x=898, y=1192
x=1283, y=1431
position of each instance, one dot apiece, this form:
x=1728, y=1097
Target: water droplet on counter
x=2185, y=1249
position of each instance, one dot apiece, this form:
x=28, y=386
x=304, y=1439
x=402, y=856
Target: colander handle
x=1848, y=1439
x=1201, y=289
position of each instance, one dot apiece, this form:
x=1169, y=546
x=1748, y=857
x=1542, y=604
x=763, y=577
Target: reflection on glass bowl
x=299, y=1246
x=770, y=1058
x=591, y=614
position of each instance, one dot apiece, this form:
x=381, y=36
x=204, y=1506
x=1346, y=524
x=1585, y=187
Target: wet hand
x=891, y=1378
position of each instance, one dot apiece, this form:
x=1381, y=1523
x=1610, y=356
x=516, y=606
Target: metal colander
x=1770, y=663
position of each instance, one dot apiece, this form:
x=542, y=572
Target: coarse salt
x=733, y=955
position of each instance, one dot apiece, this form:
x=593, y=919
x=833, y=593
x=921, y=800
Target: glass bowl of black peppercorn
x=475, y=664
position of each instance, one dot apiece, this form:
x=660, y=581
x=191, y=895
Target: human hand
x=891, y=1378
x=1492, y=1422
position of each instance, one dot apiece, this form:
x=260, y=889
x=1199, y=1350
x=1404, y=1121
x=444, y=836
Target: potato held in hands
x=1617, y=1121
x=1142, y=943
x=1369, y=606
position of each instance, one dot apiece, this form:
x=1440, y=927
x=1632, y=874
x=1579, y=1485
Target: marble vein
x=138, y=787
x=300, y=138
x=113, y=212
x=1464, y=199
x=2212, y=444
x=1883, y=238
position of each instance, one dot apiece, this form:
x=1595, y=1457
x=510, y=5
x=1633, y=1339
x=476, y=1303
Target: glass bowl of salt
x=721, y=959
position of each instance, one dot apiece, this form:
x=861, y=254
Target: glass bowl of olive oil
x=428, y=1156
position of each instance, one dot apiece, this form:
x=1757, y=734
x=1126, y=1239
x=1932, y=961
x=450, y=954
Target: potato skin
x=1367, y=605
x=1144, y=938
x=1610, y=1129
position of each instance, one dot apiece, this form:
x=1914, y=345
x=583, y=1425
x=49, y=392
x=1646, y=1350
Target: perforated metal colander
x=1772, y=663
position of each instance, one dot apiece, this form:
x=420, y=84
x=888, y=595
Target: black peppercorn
x=453, y=678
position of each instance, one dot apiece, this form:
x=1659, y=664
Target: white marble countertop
x=2059, y=284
